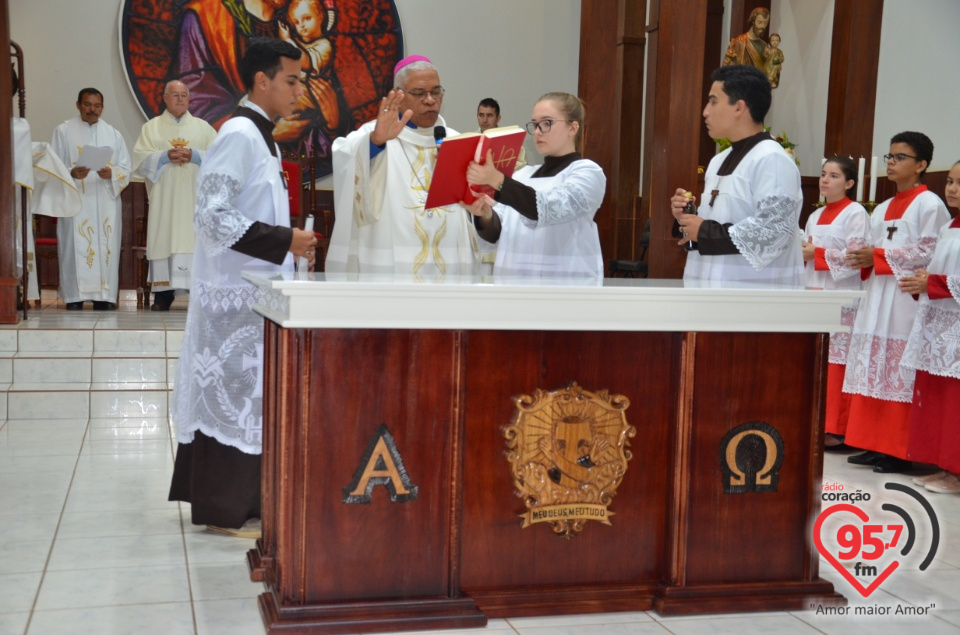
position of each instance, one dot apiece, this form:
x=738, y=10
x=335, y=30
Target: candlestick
x=873, y=178
x=860, y=167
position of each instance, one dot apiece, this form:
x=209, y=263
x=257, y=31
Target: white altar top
x=612, y=304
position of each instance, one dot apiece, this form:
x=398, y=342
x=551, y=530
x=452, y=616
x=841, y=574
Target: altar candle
x=860, y=167
x=873, y=179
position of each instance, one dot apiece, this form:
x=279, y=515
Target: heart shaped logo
x=862, y=515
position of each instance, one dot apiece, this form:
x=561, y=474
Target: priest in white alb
x=167, y=156
x=88, y=244
x=381, y=175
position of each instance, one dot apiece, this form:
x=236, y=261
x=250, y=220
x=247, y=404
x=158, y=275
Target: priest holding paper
x=382, y=172
x=89, y=243
x=168, y=155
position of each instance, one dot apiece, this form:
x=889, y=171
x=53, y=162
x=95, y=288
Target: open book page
x=449, y=181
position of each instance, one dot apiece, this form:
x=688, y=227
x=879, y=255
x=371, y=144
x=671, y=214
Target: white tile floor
x=90, y=544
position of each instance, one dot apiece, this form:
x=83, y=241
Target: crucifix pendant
x=891, y=231
x=713, y=196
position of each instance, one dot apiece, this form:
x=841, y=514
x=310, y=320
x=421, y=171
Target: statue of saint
x=774, y=60
x=750, y=47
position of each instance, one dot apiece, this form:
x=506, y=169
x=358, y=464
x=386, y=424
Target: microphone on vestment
x=439, y=133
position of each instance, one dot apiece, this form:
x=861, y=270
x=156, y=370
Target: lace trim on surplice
x=840, y=341
x=560, y=205
x=764, y=238
x=839, y=269
x=218, y=224
x=905, y=260
x=935, y=342
x=874, y=368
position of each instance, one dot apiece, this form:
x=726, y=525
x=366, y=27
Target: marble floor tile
x=74, y=589
x=24, y=556
x=205, y=547
x=237, y=617
x=124, y=522
x=14, y=623
x=19, y=593
x=222, y=581
x=107, y=552
x=170, y=618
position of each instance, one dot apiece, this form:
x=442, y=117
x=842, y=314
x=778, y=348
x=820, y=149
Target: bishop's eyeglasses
x=543, y=126
x=421, y=95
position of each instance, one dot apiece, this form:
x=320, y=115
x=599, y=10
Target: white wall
x=916, y=89
x=800, y=101
x=511, y=50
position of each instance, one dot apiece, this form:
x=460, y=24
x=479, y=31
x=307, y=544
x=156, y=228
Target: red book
x=449, y=182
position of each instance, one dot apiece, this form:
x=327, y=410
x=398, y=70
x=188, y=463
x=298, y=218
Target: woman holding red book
x=541, y=221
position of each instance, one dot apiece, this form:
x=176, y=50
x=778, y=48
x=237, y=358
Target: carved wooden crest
x=568, y=454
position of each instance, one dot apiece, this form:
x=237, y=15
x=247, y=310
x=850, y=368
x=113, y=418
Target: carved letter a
x=381, y=465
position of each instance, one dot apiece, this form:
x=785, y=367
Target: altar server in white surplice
x=542, y=223
x=89, y=243
x=243, y=224
x=381, y=174
x=749, y=214
x=168, y=156
x=838, y=226
x=901, y=240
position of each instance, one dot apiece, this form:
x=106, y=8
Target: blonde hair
x=574, y=110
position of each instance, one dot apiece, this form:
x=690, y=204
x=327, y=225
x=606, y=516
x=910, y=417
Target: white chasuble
x=171, y=187
x=564, y=240
x=219, y=383
x=381, y=224
x=886, y=315
x=761, y=199
x=934, y=344
x=832, y=235
x=88, y=244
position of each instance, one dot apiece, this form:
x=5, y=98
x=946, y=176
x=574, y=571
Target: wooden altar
x=698, y=524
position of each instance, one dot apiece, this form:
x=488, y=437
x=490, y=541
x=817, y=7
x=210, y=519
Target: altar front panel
x=498, y=553
x=358, y=380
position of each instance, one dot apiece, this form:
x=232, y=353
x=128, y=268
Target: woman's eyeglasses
x=543, y=126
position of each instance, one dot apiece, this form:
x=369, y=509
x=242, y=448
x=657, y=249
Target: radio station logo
x=867, y=546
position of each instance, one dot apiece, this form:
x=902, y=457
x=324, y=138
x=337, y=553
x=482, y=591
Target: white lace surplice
x=219, y=384
x=886, y=315
x=847, y=231
x=934, y=344
x=762, y=199
x=564, y=241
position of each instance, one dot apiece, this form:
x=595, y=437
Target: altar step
x=74, y=365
